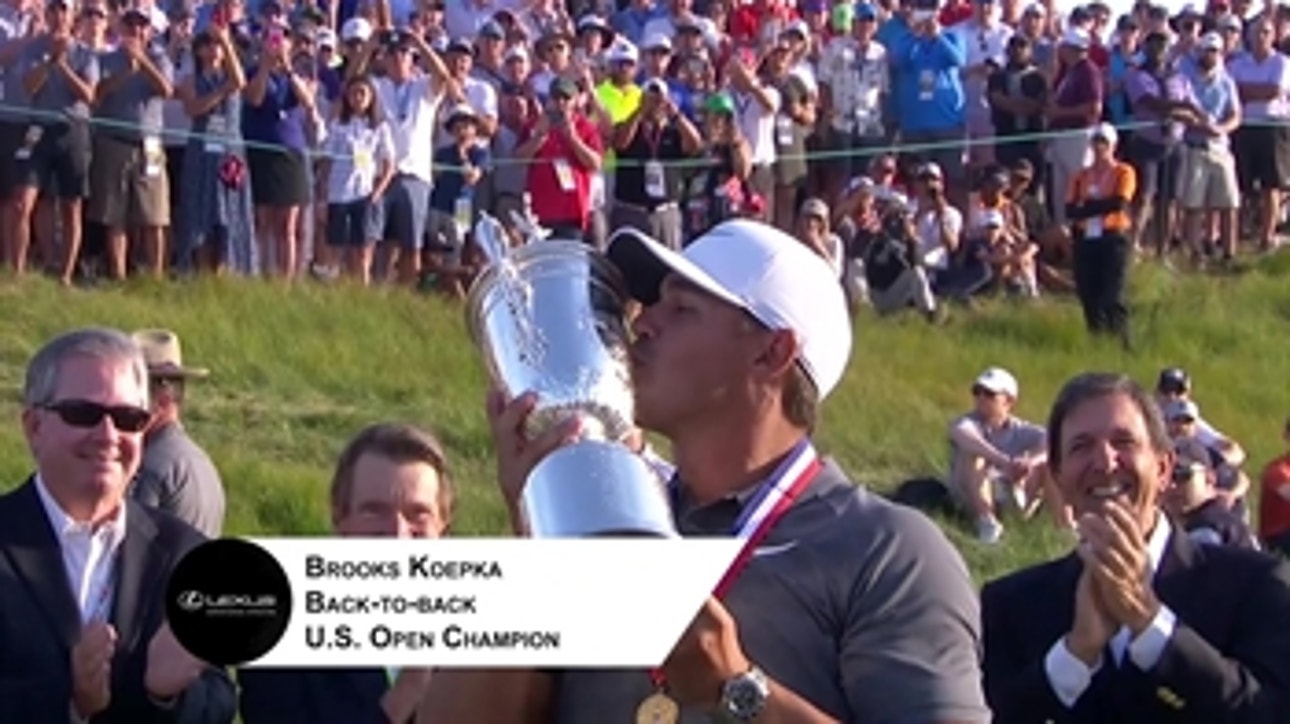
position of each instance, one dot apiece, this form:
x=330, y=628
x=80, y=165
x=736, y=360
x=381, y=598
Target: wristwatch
x=744, y=697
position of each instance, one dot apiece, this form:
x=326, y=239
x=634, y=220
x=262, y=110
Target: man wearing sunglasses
x=81, y=632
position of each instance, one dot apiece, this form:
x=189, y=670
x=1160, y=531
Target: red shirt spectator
x=954, y=13
x=748, y=22
x=559, y=183
x=1274, y=508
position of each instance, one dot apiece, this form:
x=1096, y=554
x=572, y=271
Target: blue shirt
x=928, y=82
x=1217, y=97
x=449, y=182
x=134, y=109
x=273, y=122
x=630, y=23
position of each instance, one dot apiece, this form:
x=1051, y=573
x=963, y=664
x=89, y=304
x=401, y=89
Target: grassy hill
x=295, y=373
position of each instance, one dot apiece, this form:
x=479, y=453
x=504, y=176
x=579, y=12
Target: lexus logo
x=191, y=600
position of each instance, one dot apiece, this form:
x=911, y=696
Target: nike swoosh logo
x=774, y=550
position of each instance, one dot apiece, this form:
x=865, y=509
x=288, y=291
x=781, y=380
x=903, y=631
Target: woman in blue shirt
x=277, y=100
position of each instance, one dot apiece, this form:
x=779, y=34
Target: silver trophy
x=549, y=317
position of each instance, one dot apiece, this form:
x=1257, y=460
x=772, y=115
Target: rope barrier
x=30, y=115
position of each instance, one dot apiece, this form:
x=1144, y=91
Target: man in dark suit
x=391, y=480
x=82, y=635
x=1140, y=624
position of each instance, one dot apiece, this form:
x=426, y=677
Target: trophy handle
x=490, y=237
x=529, y=227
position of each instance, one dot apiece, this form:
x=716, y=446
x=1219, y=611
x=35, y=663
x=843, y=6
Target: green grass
x=296, y=373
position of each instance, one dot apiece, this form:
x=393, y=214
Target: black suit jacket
x=1227, y=663
x=40, y=622
x=312, y=696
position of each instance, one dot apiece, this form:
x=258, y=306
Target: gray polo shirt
x=177, y=476
x=134, y=110
x=1014, y=438
x=56, y=97
x=864, y=609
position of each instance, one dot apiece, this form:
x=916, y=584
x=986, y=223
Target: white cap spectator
x=999, y=381
x=657, y=42
x=1182, y=410
x=932, y=169
x=356, y=29
x=656, y=85
x=773, y=276
x=622, y=52
x=798, y=27
x=516, y=52
x=1077, y=38
x=1211, y=41
x=1104, y=131
x=1230, y=22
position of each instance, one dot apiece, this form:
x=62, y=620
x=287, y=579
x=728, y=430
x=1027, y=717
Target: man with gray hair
x=81, y=632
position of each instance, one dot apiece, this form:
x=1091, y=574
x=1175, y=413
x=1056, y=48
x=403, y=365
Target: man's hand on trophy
x=517, y=453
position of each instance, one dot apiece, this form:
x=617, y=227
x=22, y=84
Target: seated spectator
x=997, y=456
x=1193, y=501
x=978, y=263
x=894, y=274
x=938, y=224
x=1181, y=416
x=1053, y=262
x=814, y=230
x=1175, y=384
x=1274, y=501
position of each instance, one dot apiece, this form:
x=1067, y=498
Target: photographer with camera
x=894, y=269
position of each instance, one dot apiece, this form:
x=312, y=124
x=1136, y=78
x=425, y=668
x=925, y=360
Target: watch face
x=745, y=697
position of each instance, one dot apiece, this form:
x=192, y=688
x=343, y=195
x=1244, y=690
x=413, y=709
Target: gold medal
x=658, y=708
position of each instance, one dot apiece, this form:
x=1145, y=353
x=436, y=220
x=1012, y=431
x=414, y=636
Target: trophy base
x=596, y=488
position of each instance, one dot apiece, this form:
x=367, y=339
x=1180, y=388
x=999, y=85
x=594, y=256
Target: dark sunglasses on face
x=86, y=414
x=979, y=391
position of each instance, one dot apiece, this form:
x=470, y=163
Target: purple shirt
x=275, y=121
x=1081, y=84
x=1140, y=83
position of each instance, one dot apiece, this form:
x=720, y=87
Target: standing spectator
x=16, y=24
x=649, y=180
x=278, y=153
x=1159, y=97
x=1073, y=109
x=758, y=105
x=355, y=174
x=1208, y=178
x=930, y=102
x=563, y=149
x=460, y=168
x=215, y=226
x=1017, y=94
x=793, y=123
x=1263, y=143
x=1098, y=205
x=984, y=39
x=129, y=188
x=855, y=82
x=176, y=475
x=60, y=76
x=414, y=85
x=1274, y=500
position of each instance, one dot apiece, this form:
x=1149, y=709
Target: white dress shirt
x=89, y=556
x=1070, y=677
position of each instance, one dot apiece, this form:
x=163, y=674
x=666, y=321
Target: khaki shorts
x=127, y=189
x=1207, y=179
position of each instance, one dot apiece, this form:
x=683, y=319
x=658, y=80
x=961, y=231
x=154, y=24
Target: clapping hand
x=1115, y=551
x=92, y=669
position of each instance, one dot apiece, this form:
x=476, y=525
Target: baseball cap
x=1173, y=379
x=655, y=85
x=1077, y=38
x=356, y=29
x=1182, y=410
x=771, y=275
x=997, y=380
x=1104, y=131
x=1211, y=41
x=815, y=208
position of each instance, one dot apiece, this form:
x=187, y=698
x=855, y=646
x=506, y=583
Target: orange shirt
x=1119, y=181
x=1274, y=510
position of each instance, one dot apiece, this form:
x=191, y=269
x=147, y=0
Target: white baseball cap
x=1104, y=131
x=356, y=29
x=774, y=277
x=1077, y=38
x=999, y=381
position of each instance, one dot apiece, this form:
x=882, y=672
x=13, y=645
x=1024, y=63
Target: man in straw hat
x=176, y=474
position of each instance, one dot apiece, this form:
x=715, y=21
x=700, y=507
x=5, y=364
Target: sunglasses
x=86, y=414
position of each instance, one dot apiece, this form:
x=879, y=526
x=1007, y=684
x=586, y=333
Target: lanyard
x=767, y=507
x=404, y=92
